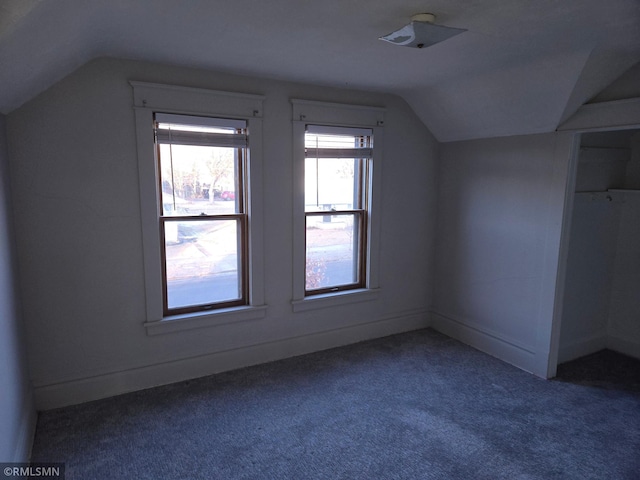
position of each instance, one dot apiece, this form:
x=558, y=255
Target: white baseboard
x=582, y=346
x=116, y=383
x=27, y=432
x=623, y=345
x=492, y=343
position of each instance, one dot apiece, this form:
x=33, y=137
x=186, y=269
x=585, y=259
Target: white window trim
x=148, y=99
x=307, y=112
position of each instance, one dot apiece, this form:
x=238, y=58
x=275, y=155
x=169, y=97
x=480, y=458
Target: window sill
x=334, y=299
x=190, y=321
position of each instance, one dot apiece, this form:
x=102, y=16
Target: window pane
x=202, y=262
x=198, y=179
x=332, y=250
x=330, y=183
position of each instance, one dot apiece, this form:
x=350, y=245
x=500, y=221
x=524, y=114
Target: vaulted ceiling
x=522, y=67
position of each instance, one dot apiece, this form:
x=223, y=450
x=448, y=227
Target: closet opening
x=601, y=294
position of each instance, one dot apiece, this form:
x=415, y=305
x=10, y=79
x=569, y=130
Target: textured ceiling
x=523, y=66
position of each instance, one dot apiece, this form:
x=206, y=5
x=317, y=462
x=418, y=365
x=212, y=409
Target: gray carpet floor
x=412, y=406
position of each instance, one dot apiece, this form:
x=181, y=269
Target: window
x=336, y=217
x=337, y=165
x=200, y=171
x=202, y=217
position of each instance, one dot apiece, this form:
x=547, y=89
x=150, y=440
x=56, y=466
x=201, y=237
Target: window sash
x=242, y=263
x=362, y=153
x=237, y=140
x=360, y=231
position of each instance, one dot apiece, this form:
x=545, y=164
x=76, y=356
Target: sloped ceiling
x=522, y=67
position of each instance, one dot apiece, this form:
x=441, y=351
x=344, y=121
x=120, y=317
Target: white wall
x=17, y=413
x=75, y=187
x=500, y=208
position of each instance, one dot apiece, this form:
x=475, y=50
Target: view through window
x=336, y=207
x=203, y=220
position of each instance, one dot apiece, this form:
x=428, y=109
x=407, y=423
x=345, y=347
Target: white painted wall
x=75, y=188
x=500, y=208
x=17, y=413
